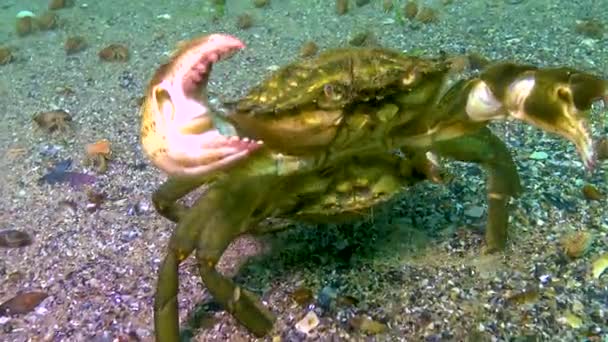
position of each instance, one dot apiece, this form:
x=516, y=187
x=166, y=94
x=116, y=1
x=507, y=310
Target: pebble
x=326, y=297
x=474, y=212
x=536, y=155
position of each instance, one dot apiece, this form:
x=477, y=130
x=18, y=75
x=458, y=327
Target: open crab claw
x=178, y=133
x=557, y=100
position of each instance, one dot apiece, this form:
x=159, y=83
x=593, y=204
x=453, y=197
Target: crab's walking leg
x=227, y=210
x=209, y=226
x=166, y=318
x=166, y=196
x=484, y=148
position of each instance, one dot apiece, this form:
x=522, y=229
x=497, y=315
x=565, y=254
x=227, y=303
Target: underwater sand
x=426, y=281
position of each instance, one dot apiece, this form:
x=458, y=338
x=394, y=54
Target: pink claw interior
x=201, y=150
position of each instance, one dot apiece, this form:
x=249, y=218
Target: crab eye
x=564, y=94
x=333, y=92
x=408, y=79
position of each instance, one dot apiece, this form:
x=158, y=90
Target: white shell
x=24, y=14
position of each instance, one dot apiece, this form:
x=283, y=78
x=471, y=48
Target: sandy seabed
x=99, y=267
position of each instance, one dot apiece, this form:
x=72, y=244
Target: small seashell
x=100, y=147
x=244, y=21
x=367, y=325
x=74, y=44
x=427, y=15
x=47, y=21
x=576, y=244
x=6, y=55
x=114, y=53
x=572, y=320
x=22, y=303
x=599, y=266
x=341, y=7
x=53, y=120
x=345, y=301
x=302, y=296
x=59, y=4
x=25, y=14
x=410, y=10
x=527, y=296
x=308, y=49
x=308, y=323
x=260, y=3
x=12, y=238
x=24, y=25
x=591, y=193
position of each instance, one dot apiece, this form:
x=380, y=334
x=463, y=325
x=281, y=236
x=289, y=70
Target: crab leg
x=225, y=213
x=484, y=148
x=213, y=222
x=177, y=130
x=166, y=196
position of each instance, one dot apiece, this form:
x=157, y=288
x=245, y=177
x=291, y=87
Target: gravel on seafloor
x=413, y=272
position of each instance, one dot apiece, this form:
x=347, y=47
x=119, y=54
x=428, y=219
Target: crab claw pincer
x=557, y=100
x=178, y=133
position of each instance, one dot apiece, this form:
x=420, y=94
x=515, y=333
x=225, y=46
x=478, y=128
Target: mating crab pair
x=327, y=139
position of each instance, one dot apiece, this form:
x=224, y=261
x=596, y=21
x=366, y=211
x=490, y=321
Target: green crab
x=327, y=139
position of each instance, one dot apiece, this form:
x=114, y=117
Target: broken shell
x=22, y=303
x=308, y=323
x=101, y=147
x=591, y=193
x=74, y=44
x=6, y=55
x=576, y=244
x=302, y=296
x=572, y=320
x=48, y=21
x=599, y=266
x=114, y=53
x=53, y=120
x=59, y=4
x=308, y=49
x=367, y=325
x=12, y=238
x=527, y=296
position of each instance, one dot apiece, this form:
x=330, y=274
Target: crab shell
x=301, y=106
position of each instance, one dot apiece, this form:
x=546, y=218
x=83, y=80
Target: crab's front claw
x=557, y=100
x=178, y=133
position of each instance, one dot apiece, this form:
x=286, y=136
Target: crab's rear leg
x=224, y=214
x=486, y=149
x=214, y=221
